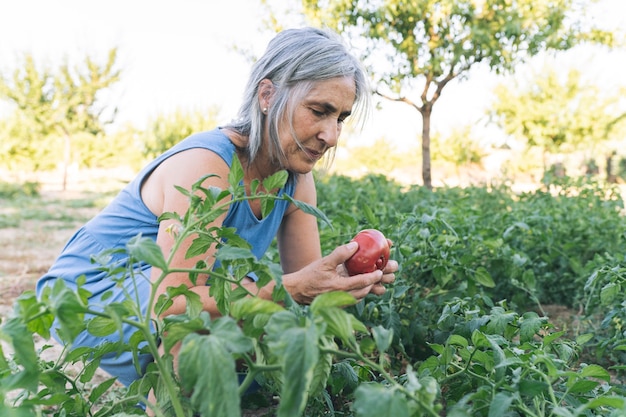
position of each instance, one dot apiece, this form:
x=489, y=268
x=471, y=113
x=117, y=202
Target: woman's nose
x=330, y=133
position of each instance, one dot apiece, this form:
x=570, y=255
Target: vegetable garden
x=462, y=331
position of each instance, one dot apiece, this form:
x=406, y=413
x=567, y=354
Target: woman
x=298, y=96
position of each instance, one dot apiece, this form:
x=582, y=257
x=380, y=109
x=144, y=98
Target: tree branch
x=398, y=99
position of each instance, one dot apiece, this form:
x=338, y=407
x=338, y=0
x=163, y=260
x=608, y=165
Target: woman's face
x=317, y=121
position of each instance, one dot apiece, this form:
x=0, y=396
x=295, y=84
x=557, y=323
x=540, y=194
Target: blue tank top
x=127, y=216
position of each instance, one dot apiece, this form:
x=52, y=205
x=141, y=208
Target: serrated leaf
x=309, y=209
x=146, y=250
x=500, y=404
x=100, y=389
x=532, y=388
x=267, y=205
x=231, y=253
x=483, y=277
x=377, y=400
x=276, y=180
x=341, y=324
x=595, y=371
x=583, y=386
x=207, y=370
x=332, y=299
x=608, y=293
x=101, y=326
x=252, y=306
x=499, y=319
x=530, y=325
x=383, y=338
x=199, y=246
x=236, y=173
x=457, y=340
x=548, y=339
x=299, y=360
x=230, y=334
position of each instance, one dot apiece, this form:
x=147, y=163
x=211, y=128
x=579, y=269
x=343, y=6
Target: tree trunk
x=426, y=175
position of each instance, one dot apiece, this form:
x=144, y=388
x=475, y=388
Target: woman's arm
x=298, y=236
x=307, y=273
x=160, y=195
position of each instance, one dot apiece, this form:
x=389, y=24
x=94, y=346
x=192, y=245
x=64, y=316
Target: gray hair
x=293, y=61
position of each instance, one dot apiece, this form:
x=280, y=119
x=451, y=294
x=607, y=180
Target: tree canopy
x=421, y=45
x=61, y=103
x=559, y=114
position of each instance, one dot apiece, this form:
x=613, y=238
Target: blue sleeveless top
x=127, y=216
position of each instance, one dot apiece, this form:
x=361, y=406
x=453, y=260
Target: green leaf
x=236, y=174
x=24, y=354
x=548, y=339
x=483, y=277
x=383, y=338
x=230, y=334
x=457, y=340
x=299, y=361
x=309, y=209
x=376, y=400
x=584, y=338
x=499, y=319
x=267, y=205
x=533, y=388
x=101, y=326
x=500, y=404
x=606, y=401
x=371, y=218
x=252, y=306
x=595, y=371
x=498, y=355
x=583, y=386
x=332, y=299
x=530, y=325
x=146, y=250
x=199, y=246
x=341, y=324
x=231, y=253
x=276, y=180
x=207, y=370
x=609, y=293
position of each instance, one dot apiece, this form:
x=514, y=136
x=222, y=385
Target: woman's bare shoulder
x=182, y=169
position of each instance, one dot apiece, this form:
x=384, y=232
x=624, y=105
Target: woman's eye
x=318, y=113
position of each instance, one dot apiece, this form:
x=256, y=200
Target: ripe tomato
x=373, y=252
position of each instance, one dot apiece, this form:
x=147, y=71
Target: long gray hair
x=293, y=61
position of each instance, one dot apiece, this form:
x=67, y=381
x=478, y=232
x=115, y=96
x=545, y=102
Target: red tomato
x=373, y=252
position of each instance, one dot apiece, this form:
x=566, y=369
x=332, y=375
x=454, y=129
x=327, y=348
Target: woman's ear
x=265, y=92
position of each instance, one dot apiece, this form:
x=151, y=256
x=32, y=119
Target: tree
x=424, y=44
x=557, y=115
x=166, y=130
x=61, y=103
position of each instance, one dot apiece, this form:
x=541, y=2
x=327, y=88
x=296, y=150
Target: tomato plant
x=449, y=337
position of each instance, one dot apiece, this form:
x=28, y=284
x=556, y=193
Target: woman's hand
x=328, y=274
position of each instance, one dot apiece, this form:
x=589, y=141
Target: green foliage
x=436, y=343
x=56, y=108
x=166, y=130
x=558, y=115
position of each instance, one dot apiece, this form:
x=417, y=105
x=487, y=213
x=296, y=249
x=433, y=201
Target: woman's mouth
x=313, y=154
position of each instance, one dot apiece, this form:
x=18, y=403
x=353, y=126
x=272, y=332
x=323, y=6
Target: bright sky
x=178, y=54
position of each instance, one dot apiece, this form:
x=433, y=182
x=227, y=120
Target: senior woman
x=296, y=100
